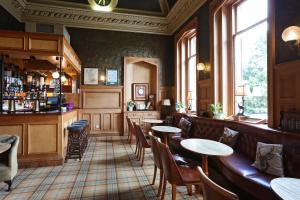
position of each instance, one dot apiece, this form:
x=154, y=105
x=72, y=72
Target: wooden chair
x=143, y=142
x=157, y=162
x=132, y=133
x=212, y=191
x=175, y=174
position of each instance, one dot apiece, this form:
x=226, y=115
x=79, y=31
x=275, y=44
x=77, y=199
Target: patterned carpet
x=109, y=170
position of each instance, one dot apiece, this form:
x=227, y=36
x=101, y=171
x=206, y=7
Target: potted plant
x=217, y=109
x=180, y=107
x=130, y=105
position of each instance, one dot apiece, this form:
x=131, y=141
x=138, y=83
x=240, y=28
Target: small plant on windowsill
x=180, y=107
x=217, y=110
x=130, y=105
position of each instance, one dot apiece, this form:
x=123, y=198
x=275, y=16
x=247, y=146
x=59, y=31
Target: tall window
x=240, y=56
x=250, y=55
x=186, y=69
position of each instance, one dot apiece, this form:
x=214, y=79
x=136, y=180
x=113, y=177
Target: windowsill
x=245, y=119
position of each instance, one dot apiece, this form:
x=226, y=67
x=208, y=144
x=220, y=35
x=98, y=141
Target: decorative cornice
x=14, y=7
x=25, y=10
x=181, y=12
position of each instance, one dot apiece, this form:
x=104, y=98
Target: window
x=250, y=55
x=240, y=56
x=186, y=69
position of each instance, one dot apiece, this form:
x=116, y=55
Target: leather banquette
x=238, y=168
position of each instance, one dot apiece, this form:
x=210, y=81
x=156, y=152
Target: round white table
x=206, y=148
x=166, y=131
x=286, y=188
x=153, y=121
x=4, y=147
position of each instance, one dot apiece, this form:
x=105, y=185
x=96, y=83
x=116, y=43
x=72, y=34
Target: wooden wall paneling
x=117, y=122
x=204, y=95
x=12, y=42
x=102, y=107
x=45, y=141
x=15, y=129
x=45, y=43
x=96, y=122
x=287, y=87
x=106, y=121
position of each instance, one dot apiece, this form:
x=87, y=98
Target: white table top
x=206, y=147
x=4, y=147
x=166, y=129
x=153, y=121
x=286, y=188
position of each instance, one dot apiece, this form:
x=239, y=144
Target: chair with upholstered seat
x=177, y=175
x=212, y=191
x=143, y=142
x=8, y=160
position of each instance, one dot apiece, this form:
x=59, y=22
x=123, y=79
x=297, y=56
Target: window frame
x=182, y=37
x=222, y=13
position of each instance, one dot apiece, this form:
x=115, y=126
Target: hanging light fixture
x=55, y=75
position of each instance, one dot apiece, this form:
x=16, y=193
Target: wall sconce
x=292, y=33
x=102, y=78
x=201, y=66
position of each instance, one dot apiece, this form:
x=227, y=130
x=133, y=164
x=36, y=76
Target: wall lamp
x=201, y=67
x=292, y=33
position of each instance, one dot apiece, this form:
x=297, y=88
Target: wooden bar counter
x=43, y=136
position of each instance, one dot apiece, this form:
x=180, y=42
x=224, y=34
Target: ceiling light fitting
x=103, y=5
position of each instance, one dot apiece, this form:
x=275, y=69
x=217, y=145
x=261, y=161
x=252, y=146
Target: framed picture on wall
x=112, y=77
x=140, y=91
x=91, y=76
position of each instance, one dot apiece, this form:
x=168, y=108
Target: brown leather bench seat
x=238, y=168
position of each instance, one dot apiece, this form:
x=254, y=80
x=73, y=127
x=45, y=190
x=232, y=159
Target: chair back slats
x=213, y=191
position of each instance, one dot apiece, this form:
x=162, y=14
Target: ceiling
x=162, y=17
x=144, y=7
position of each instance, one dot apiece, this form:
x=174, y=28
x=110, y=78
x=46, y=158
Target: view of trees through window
x=250, y=57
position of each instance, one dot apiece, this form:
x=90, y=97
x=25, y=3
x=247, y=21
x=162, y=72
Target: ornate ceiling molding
x=181, y=12
x=29, y=11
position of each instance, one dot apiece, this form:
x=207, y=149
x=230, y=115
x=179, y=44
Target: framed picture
x=91, y=76
x=140, y=91
x=111, y=77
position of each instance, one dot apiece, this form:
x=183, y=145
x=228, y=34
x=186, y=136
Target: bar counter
x=43, y=135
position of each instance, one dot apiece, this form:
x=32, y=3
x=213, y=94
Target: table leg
x=205, y=164
x=166, y=139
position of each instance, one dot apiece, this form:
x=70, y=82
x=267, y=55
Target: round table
x=166, y=131
x=206, y=148
x=4, y=147
x=286, y=188
x=153, y=121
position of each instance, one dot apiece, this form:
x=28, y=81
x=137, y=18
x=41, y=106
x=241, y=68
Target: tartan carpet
x=109, y=170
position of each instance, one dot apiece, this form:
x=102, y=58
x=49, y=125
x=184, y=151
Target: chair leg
x=189, y=190
x=140, y=152
x=143, y=156
x=161, y=177
x=163, y=189
x=9, y=183
x=136, y=148
x=173, y=192
x=154, y=175
x=130, y=138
